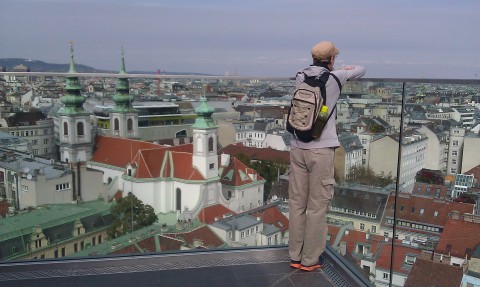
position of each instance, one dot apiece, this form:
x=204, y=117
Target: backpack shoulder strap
x=340, y=87
x=338, y=81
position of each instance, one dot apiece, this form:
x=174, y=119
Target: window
x=62, y=186
x=45, y=141
x=410, y=260
x=455, y=143
x=435, y=213
x=385, y=275
x=65, y=129
x=421, y=211
x=129, y=125
x=212, y=166
x=454, y=152
x=178, y=199
x=362, y=226
x=210, y=144
x=242, y=234
x=116, y=125
x=80, y=130
x=374, y=229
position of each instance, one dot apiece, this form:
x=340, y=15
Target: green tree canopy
x=363, y=175
x=130, y=214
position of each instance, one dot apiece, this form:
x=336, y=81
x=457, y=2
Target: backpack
x=307, y=100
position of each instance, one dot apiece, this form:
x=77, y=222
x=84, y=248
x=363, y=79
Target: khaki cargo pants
x=310, y=192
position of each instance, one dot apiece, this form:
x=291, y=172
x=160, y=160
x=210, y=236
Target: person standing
x=311, y=176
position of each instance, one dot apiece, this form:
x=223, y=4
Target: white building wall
x=455, y=150
x=471, y=153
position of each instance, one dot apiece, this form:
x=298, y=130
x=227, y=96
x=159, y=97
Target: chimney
x=343, y=248
x=224, y=160
x=455, y=215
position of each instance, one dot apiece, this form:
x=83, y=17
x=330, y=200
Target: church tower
x=123, y=117
x=205, y=157
x=75, y=130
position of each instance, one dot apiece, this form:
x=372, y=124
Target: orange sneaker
x=295, y=264
x=310, y=268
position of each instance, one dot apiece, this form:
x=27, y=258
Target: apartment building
x=361, y=205
x=455, y=150
x=27, y=181
x=420, y=219
x=384, y=153
x=348, y=155
x=34, y=127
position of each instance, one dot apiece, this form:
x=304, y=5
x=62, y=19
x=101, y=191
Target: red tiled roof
x=475, y=172
x=433, y=189
x=118, y=151
x=147, y=245
x=272, y=215
x=208, y=214
x=235, y=169
x=459, y=238
x=183, y=167
x=168, y=243
x=264, y=154
x=409, y=202
x=147, y=157
x=208, y=237
x=3, y=208
x=400, y=251
x=429, y=273
x=378, y=246
x=333, y=231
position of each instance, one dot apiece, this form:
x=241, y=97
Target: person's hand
x=348, y=67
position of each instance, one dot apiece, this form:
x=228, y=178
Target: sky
x=268, y=38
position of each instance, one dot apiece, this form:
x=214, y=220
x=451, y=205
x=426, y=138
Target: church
x=182, y=179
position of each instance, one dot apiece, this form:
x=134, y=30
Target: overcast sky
x=408, y=38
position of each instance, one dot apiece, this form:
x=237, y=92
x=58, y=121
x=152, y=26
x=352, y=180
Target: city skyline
x=431, y=39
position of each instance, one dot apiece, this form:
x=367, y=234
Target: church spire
x=204, y=116
x=72, y=62
x=73, y=100
x=122, y=66
x=123, y=99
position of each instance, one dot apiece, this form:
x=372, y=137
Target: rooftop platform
x=230, y=267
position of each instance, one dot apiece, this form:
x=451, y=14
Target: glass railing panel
x=170, y=171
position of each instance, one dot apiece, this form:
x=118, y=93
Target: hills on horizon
x=41, y=66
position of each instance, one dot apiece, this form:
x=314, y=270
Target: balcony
x=383, y=218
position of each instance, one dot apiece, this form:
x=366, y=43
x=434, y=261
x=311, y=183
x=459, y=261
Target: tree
x=363, y=175
x=130, y=214
x=269, y=170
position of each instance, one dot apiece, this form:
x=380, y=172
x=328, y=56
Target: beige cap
x=324, y=50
